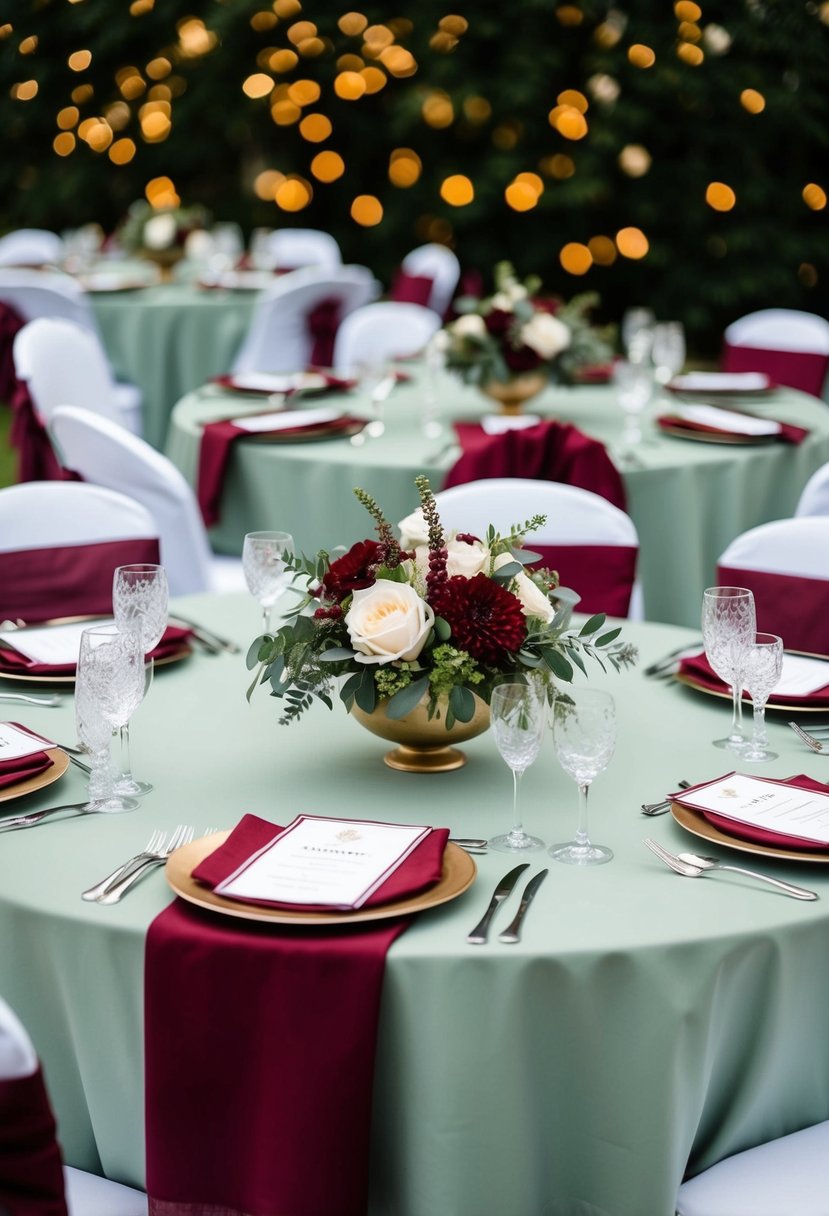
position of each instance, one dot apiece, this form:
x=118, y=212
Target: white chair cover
x=440, y=265
x=780, y=329
x=814, y=500
x=293, y=248
x=379, y=332
x=278, y=339
x=786, y=1177
x=103, y=453
x=50, y=514
x=65, y=364
x=18, y=1057
x=41, y=293
x=798, y=547
x=31, y=247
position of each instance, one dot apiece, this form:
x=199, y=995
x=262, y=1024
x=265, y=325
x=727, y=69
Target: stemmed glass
x=266, y=574
x=633, y=383
x=108, y=688
x=668, y=350
x=140, y=598
x=518, y=716
x=729, y=624
x=584, y=733
x=763, y=672
x=637, y=333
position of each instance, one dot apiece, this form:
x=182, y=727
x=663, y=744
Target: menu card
x=52, y=645
x=801, y=675
x=774, y=806
x=721, y=382
x=336, y=863
x=725, y=420
x=286, y=420
x=15, y=743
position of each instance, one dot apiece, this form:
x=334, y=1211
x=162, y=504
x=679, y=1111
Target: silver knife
x=209, y=635
x=478, y=935
x=513, y=932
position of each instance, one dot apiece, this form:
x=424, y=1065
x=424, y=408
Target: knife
x=208, y=635
x=478, y=935
x=662, y=666
x=513, y=932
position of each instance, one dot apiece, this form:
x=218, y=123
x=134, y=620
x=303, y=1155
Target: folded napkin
x=700, y=670
x=313, y=380
x=31, y=1171
x=264, y=1106
x=721, y=382
x=550, y=451
x=13, y=663
x=748, y=831
x=713, y=420
x=12, y=771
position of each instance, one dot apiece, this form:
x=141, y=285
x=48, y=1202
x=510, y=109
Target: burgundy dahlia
x=486, y=620
x=351, y=572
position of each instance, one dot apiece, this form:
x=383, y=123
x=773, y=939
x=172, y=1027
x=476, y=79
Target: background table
x=688, y=500
x=169, y=339
x=643, y=1019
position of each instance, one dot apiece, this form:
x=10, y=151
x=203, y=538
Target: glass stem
x=517, y=826
x=266, y=619
x=100, y=776
x=581, y=833
x=126, y=767
x=737, y=735
x=760, y=738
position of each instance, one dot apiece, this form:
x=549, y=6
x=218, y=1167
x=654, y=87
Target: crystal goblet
x=140, y=598
x=266, y=572
x=763, y=671
x=517, y=718
x=108, y=688
x=729, y=624
x=584, y=733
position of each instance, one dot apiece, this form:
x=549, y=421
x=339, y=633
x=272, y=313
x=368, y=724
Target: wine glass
x=668, y=350
x=266, y=572
x=108, y=688
x=637, y=334
x=140, y=596
x=729, y=623
x=633, y=383
x=763, y=671
x=518, y=716
x=584, y=733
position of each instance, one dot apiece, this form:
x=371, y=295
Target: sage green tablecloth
x=169, y=339
x=688, y=500
x=644, y=1019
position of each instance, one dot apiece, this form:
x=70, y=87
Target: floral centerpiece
x=426, y=624
x=517, y=338
x=160, y=233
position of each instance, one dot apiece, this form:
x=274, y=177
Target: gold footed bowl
x=513, y=393
x=423, y=745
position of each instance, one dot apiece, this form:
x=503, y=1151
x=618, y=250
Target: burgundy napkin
x=13, y=663
x=799, y=369
x=794, y=607
x=787, y=433
x=603, y=575
x=23, y=767
x=703, y=674
x=411, y=288
x=747, y=831
x=66, y=580
x=550, y=451
x=594, y=373
x=31, y=1172
x=259, y=1050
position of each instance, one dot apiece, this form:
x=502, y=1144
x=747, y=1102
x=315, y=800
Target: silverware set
x=669, y=663
x=212, y=642
x=689, y=865
x=111, y=889
x=660, y=808
x=819, y=745
x=512, y=933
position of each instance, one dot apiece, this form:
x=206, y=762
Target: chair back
x=592, y=544
x=40, y=293
x=383, y=331
x=790, y=346
x=64, y=364
x=428, y=275
x=814, y=498
x=294, y=321
x=294, y=248
x=30, y=247
x=61, y=541
x=105, y=454
x=784, y=563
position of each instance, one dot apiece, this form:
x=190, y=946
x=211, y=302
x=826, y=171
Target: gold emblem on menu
x=729, y=792
x=348, y=834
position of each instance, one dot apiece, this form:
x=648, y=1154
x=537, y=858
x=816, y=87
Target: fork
x=809, y=740
x=156, y=842
x=691, y=866
x=113, y=893
x=659, y=808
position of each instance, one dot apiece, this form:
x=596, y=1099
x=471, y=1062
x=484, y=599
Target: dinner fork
x=809, y=740
x=157, y=841
x=113, y=893
x=691, y=866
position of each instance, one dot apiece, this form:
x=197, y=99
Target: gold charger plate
x=459, y=872
x=779, y=707
x=681, y=432
x=695, y=821
x=60, y=763
x=311, y=434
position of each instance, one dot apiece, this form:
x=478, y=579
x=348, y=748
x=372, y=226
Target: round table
x=170, y=338
x=643, y=1022
x=688, y=499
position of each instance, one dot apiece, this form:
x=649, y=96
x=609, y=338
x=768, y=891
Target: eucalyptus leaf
x=462, y=703
x=592, y=624
x=443, y=630
x=558, y=664
x=508, y=571
x=526, y=556
x=366, y=694
x=252, y=656
x=608, y=637
x=404, y=701
x=336, y=655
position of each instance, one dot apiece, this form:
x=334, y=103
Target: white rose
x=413, y=530
x=471, y=325
x=502, y=301
x=388, y=621
x=533, y=600
x=159, y=232
x=461, y=558
x=546, y=335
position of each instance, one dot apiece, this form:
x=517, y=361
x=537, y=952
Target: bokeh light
x=293, y=194
x=632, y=243
x=720, y=197
x=457, y=190
x=575, y=258
x=366, y=210
x=327, y=166
x=814, y=196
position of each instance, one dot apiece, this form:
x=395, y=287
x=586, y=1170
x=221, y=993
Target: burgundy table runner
x=603, y=575
x=259, y=1051
x=795, y=608
x=747, y=831
x=550, y=451
x=31, y=1171
x=803, y=370
x=700, y=670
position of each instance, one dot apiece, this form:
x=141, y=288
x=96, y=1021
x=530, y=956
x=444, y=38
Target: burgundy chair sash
x=411, y=288
x=31, y=1172
x=795, y=608
x=68, y=580
x=804, y=370
x=10, y=325
x=323, y=321
x=550, y=451
x=603, y=575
